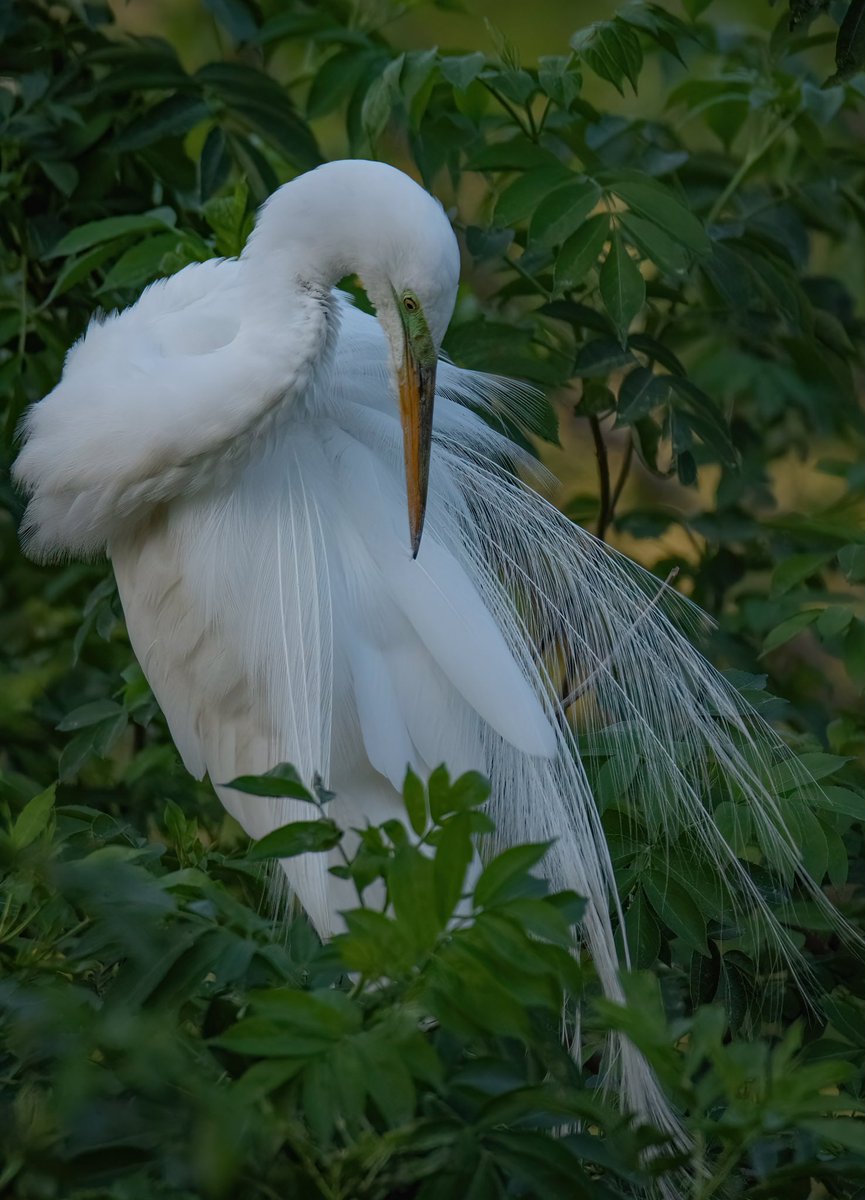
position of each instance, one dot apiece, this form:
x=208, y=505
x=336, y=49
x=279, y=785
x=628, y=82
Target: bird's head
x=369, y=219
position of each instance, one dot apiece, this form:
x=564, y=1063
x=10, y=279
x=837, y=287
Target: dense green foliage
x=685, y=273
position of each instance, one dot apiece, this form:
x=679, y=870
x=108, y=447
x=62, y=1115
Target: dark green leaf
x=172, y=117
x=89, y=714
x=623, y=289
x=282, y=780
x=301, y=837
x=581, y=252
x=612, y=49
x=111, y=228
x=505, y=876
x=563, y=211
x=654, y=202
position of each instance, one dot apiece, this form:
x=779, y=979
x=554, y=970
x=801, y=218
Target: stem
x=603, y=475
x=515, y=263
x=549, y=102
x=532, y=126
x=745, y=167
x=509, y=109
x=623, y=477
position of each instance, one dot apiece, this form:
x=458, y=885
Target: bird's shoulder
x=196, y=311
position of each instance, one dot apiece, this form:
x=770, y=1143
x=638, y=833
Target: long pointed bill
x=416, y=394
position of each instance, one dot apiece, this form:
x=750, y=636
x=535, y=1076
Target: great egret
x=233, y=440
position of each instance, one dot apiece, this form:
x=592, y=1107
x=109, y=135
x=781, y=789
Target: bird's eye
x=410, y=304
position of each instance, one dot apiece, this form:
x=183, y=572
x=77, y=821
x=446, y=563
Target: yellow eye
x=410, y=304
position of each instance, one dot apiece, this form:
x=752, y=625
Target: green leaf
x=641, y=391
x=788, y=629
x=172, y=117
x=840, y=800
x=414, y=798
x=833, y=621
x=463, y=69
x=559, y=79
x=810, y=840
x=505, y=876
x=140, y=263
x=642, y=933
x=110, y=228
x=300, y=837
x=848, y=1132
x=454, y=853
x=796, y=569
x=520, y=199
x=411, y=887
x=612, y=50
x=655, y=243
x=596, y=359
x=470, y=791
x=380, y=98
x=236, y=16
x=676, y=909
x=852, y=562
x=581, y=251
x=265, y=107
x=439, y=789
x=89, y=714
x=517, y=154
x=282, y=780
x=33, y=818
x=654, y=202
x=623, y=289
x=563, y=211
x=337, y=78
x=814, y=765
x=215, y=163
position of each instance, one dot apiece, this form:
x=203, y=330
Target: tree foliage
x=662, y=224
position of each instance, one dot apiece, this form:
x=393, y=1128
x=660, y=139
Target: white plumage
x=233, y=439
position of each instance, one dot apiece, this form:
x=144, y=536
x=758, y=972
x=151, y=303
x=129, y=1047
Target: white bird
x=243, y=443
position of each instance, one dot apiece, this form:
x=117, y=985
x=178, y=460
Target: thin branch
x=603, y=475
x=509, y=109
x=623, y=477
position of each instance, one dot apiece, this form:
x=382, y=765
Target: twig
x=509, y=109
x=623, y=477
x=603, y=475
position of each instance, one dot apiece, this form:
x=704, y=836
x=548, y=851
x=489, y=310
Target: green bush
x=684, y=273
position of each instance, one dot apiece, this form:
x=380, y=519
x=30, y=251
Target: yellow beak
x=416, y=395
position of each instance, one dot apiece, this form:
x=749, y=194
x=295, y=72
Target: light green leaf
x=33, y=818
